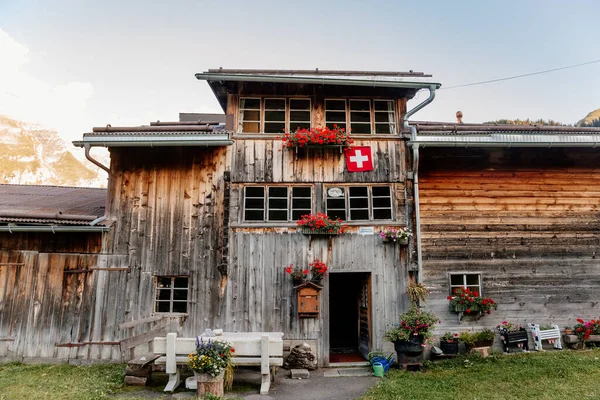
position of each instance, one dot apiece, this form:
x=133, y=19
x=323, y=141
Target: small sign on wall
x=366, y=230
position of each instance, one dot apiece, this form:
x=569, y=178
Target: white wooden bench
x=264, y=349
x=549, y=334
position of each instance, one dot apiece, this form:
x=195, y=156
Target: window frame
x=289, y=112
x=372, y=114
x=260, y=121
x=171, y=300
x=290, y=203
x=264, y=115
x=393, y=111
x=348, y=208
x=464, y=279
x=263, y=110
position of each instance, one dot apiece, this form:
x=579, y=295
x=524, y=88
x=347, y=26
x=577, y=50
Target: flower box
x=401, y=242
x=449, y=347
x=515, y=339
x=321, y=137
x=326, y=232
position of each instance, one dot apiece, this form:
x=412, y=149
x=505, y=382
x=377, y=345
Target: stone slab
x=299, y=374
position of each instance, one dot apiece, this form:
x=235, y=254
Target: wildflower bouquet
x=321, y=223
x=317, y=136
x=212, y=357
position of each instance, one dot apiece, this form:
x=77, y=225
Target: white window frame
x=241, y=110
x=291, y=127
x=172, y=289
x=330, y=124
x=290, y=202
x=369, y=200
x=264, y=115
x=368, y=112
x=393, y=130
x=464, y=281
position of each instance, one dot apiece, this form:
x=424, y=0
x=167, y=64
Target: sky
x=74, y=64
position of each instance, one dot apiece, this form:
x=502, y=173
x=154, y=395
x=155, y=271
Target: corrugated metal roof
x=509, y=139
x=51, y=204
x=444, y=128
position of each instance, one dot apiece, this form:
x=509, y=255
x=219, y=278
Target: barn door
x=364, y=316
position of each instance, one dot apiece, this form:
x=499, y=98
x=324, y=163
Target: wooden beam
x=11, y=264
x=87, y=344
x=7, y=339
x=81, y=271
x=132, y=324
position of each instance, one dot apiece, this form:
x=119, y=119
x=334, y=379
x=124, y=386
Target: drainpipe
x=89, y=157
x=413, y=136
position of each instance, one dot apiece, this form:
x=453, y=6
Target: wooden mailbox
x=308, y=300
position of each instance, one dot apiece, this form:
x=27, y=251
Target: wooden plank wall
x=42, y=304
x=527, y=219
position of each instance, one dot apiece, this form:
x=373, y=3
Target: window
x=274, y=115
x=359, y=203
x=276, y=203
x=171, y=294
x=469, y=281
x=384, y=116
x=335, y=113
x=299, y=114
x=360, y=116
x=249, y=120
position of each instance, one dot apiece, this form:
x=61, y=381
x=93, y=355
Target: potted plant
x=568, y=330
x=449, y=343
x=416, y=292
x=210, y=362
x=412, y=332
x=318, y=269
x=396, y=235
x=320, y=224
x=319, y=137
x=585, y=329
x=298, y=275
x=465, y=300
x=482, y=338
x=513, y=335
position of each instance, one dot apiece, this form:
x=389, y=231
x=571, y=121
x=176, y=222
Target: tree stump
x=209, y=384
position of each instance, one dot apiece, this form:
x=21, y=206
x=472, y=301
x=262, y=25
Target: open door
x=349, y=317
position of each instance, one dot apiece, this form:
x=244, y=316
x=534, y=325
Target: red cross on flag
x=359, y=159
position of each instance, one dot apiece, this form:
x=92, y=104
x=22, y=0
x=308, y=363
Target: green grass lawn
x=552, y=375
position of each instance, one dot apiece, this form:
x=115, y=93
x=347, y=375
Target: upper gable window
x=363, y=116
x=359, y=203
x=273, y=115
x=249, y=119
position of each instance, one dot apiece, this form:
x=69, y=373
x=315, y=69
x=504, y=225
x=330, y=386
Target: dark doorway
x=349, y=316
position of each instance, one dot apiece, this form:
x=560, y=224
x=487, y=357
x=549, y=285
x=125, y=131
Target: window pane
x=336, y=116
x=251, y=115
x=275, y=116
x=382, y=214
x=334, y=214
x=360, y=105
x=278, y=204
x=387, y=128
x=358, y=191
x=382, y=202
x=301, y=203
x=163, y=294
x=251, y=127
x=278, y=191
x=472, y=279
x=360, y=117
x=473, y=288
x=300, y=125
x=274, y=104
x=181, y=282
x=255, y=203
x=335, y=105
x=383, y=118
x=299, y=104
x=255, y=191
x=383, y=105
x=456, y=280
x=274, y=127
x=360, y=128
x=336, y=203
x=180, y=306
x=359, y=214
x=181, y=294
x=278, y=215
x=297, y=214
x=299, y=115
x=359, y=202
x=163, y=306
x=301, y=192
x=381, y=190
x=250, y=104
x=163, y=282
x=254, y=215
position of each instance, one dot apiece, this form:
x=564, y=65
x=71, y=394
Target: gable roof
x=223, y=81
x=440, y=134
x=192, y=133
x=51, y=204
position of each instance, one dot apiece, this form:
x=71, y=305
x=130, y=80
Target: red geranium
x=317, y=136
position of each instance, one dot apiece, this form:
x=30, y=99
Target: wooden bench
x=547, y=334
x=264, y=349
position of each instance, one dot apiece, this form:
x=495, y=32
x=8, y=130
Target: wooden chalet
x=200, y=224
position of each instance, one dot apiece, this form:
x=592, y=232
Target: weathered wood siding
x=51, y=242
x=527, y=219
x=43, y=305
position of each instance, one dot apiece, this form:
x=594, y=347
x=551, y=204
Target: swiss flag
x=359, y=159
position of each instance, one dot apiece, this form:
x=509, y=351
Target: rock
x=299, y=374
x=301, y=357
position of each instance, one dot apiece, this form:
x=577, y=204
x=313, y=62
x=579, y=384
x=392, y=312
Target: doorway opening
x=349, y=316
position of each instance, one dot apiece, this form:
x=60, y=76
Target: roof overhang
x=53, y=228
x=134, y=139
x=508, y=140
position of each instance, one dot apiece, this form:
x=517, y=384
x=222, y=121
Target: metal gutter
x=208, y=76
x=153, y=141
x=93, y=160
x=508, y=140
x=413, y=135
x=53, y=228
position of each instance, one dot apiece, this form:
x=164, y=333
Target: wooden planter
x=512, y=340
x=461, y=310
x=324, y=232
x=209, y=384
x=575, y=342
x=449, y=347
x=480, y=343
x=401, y=242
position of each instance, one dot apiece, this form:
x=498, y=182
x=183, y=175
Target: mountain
x=31, y=154
x=592, y=119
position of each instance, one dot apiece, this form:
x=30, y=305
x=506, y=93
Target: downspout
x=413, y=136
x=89, y=157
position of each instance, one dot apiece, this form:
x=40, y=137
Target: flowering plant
x=394, y=234
x=469, y=301
x=211, y=357
x=317, y=270
x=415, y=322
x=507, y=326
x=448, y=337
x=584, y=329
x=317, y=136
x=298, y=274
x=321, y=222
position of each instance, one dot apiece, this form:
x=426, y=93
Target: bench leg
x=266, y=383
x=557, y=343
x=273, y=373
x=174, y=380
